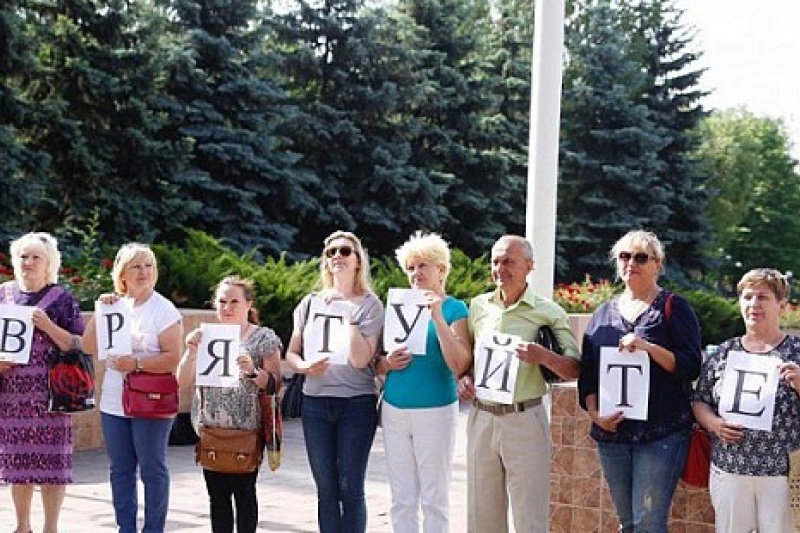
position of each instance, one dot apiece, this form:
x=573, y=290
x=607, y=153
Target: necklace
x=631, y=307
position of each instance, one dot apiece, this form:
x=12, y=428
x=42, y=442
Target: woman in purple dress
x=36, y=445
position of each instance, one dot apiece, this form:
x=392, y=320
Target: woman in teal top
x=420, y=404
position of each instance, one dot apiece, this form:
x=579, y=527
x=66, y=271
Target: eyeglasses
x=344, y=251
x=640, y=258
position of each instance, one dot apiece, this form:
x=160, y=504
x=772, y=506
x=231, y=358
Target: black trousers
x=242, y=489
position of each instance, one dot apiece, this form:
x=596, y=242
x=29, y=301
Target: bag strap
x=201, y=415
x=307, y=309
x=306, y=312
x=668, y=306
x=8, y=292
x=52, y=294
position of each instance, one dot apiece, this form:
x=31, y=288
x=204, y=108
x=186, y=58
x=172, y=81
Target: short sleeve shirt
x=148, y=321
x=345, y=381
x=237, y=407
x=427, y=381
x=758, y=453
x=488, y=313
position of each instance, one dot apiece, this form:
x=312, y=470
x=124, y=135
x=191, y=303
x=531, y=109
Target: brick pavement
x=286, y=498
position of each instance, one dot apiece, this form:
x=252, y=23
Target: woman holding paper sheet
x=138, y=443
x=234, y=407
x=749, y=467
x=336, y=335
x=642, y=460
x=36, y=445
x=420, y=404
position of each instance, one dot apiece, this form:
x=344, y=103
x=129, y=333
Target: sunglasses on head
x=640, y=258
x=344, y=251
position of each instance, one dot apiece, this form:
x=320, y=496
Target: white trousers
x=743, y=504
x=419, y=455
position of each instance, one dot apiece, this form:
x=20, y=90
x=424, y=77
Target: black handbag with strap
x=547, y=338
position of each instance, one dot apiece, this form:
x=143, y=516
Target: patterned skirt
x=35, y=445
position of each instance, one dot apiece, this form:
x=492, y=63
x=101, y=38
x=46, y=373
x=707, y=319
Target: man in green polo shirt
x=508, y=445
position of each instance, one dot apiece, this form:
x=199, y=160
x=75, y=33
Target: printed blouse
x=237, y=407
x=758, y=453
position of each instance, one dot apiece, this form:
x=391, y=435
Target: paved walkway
x=287, y=498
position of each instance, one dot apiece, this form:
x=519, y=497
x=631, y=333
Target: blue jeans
x=338, y=434
x=133, y=443
x=642, y=480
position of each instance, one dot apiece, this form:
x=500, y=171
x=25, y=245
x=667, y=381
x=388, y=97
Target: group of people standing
x=508, y=444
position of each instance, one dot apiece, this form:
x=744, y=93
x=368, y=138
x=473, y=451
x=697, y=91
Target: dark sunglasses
x=640, y=258
x=344, y=251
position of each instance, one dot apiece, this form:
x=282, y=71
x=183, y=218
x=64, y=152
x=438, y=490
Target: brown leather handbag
x=230, y=451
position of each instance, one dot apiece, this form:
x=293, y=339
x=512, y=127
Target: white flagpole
x=546, y=74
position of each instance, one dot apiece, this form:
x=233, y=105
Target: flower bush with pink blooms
x=584, y=296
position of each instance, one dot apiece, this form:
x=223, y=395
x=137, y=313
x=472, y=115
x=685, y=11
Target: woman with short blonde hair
x=420, y=403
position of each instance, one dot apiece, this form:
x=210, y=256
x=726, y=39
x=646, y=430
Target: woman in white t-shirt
x=137, y=443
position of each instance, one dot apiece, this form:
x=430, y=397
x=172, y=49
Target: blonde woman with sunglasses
x=642, y=460
x=339, y=397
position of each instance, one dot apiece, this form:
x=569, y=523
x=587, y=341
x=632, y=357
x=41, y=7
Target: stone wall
x=580, y=500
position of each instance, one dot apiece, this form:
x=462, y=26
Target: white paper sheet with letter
x=624, y=383
x=216, y=355
x=113, y=326
x=16, y=333
x=327, y=332
x=496, y=366
x=749, y=387
x=406, y=320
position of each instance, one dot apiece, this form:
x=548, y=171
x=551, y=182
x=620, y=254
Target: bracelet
x=139, y=365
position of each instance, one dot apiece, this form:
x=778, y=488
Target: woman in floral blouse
x=749, y=484
x=236, y=407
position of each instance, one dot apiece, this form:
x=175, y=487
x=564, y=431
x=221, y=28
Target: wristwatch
x=139, y=366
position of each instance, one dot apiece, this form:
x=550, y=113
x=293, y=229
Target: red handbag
x=149, y=395
x=697, y=467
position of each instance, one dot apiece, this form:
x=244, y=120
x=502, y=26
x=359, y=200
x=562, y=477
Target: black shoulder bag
x=547, y=338
x=292, y=400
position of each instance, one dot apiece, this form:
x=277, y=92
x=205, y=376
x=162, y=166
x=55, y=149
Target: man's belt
x=504, y=409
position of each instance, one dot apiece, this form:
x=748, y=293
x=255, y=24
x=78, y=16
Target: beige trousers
x=508, y=462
